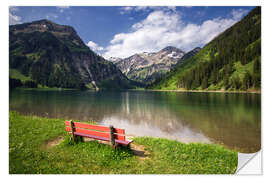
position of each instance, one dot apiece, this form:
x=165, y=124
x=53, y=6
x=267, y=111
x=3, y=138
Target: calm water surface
x=231, y=119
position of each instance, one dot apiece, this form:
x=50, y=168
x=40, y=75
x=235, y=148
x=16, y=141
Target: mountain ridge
x=54, y=55
x=147, y=66
x=231, y=61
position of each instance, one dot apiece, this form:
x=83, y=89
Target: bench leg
x=115, y=145
x=76, y=139
x=81, y=139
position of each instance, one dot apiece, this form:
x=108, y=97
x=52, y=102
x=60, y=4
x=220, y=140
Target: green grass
x=29, y=153
x=240, y=69
x=15, y=74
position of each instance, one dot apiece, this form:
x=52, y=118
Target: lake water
x=231, y=119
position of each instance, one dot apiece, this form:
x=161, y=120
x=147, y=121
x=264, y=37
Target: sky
x=117, y=31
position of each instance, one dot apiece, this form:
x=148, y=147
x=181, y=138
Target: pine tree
x=205, y=83
x=226, y=82
x=247, y=81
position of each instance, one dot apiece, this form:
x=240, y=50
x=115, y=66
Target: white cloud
x=141, y=8
x=13, y=18
x=162, y=28
x=238, y=13
x=13, y=9
x=128, y=9
x=95, y=47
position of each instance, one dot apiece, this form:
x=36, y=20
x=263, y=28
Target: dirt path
x=139, y=150
x=53, y=142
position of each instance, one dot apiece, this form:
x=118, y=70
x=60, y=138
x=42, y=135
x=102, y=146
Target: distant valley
x=147, y=67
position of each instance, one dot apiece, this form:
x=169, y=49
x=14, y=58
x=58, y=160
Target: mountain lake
x=230, y=119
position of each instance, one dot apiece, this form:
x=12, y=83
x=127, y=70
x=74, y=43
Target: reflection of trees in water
x=244, y=136
x=68, y=105
x=235, y=123
x=232, y=119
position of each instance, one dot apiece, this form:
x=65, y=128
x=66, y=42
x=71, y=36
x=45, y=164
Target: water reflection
x=229, y=119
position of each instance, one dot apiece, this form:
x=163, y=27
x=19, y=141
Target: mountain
x=54, y=55
x=188, y=55
x=114, y=59
x=231, y=61
x=146, y=67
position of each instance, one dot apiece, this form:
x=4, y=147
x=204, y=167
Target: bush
x=30, y=84
x=13, y=83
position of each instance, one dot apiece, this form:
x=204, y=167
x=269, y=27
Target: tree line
x=241, y=43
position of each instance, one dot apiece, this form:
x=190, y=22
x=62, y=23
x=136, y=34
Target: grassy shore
x=32, y=151
x=207, y=91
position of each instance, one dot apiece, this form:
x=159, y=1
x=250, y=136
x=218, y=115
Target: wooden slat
x=96, y=127
x=123, y=142
x=119, y=137
x=103, y=138
x=90, y=126
x=92, y=136
x=68, y=128
x=95, y=133
x=67, y=123
x=119, y=131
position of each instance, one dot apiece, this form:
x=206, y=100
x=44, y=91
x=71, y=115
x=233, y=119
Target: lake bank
x=143, y=89
x=205, y=91
x=27, y=155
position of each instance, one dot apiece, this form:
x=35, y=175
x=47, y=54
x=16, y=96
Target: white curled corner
x=249, y=164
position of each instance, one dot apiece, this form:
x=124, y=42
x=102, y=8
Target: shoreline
x=154, y=90
x=200, y=91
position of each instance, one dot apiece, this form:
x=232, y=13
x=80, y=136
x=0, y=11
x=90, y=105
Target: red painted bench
x=114, y=135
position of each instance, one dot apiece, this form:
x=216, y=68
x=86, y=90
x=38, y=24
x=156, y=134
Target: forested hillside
x=50, y=55
x=231, y=61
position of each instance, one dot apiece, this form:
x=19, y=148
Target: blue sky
x=123, y=31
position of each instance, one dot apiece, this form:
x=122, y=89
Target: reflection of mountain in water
x=231, y=119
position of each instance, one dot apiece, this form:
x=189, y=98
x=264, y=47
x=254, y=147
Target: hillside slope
x=231, y=61
x=147, y=67
x=54, y=55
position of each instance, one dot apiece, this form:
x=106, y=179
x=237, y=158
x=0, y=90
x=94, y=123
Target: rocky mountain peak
x=41, y=26
x=172, y=49
x=145, y=67
x=188, y=55
x=197, y=49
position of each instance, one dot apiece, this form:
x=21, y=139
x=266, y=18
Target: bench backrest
x=95, y=130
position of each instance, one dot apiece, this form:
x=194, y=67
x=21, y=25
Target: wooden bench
x=114, y=135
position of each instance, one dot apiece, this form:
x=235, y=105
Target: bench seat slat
x=92, y=136
x=123, y=142
x=94, y=133
x=102, y=138
x=88, y=126
x=95, y=127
